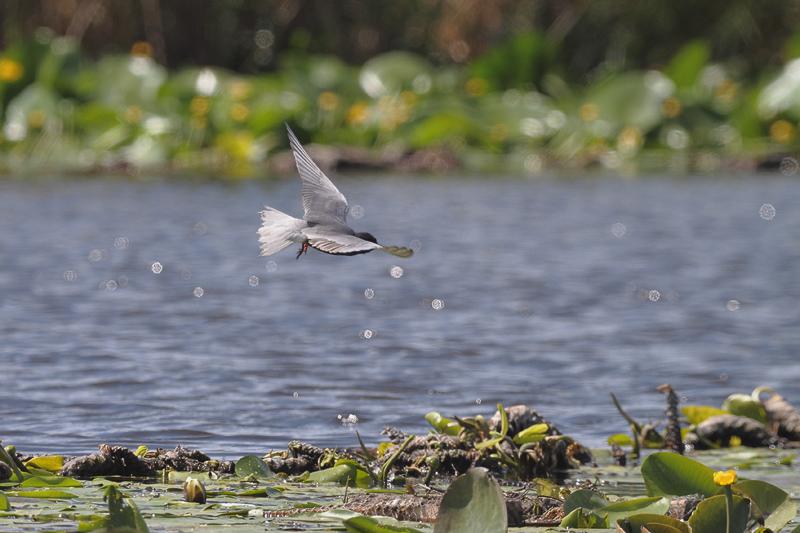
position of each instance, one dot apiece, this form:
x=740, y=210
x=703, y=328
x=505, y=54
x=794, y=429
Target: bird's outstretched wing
x=333, y=242
x=322, y=201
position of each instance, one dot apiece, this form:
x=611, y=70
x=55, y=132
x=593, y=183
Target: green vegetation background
x=148, y=86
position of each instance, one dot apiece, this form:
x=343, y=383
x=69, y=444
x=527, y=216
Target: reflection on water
x=141, y=312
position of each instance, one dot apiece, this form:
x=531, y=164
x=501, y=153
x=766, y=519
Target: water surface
x=554, y=293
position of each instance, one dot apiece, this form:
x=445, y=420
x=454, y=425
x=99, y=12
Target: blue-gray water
x=555, y=293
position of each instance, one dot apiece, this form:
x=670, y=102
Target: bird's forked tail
x=278, y=230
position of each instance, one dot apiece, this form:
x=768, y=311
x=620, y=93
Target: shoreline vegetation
x=515, y=469
x=509, y=110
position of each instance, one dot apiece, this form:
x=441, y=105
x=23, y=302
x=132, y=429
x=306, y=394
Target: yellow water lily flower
x=10, y=70
x=725, y=477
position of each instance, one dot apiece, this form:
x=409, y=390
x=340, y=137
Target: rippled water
x=141, y=313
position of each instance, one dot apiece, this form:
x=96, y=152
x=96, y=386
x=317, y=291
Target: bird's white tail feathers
x=278, y=230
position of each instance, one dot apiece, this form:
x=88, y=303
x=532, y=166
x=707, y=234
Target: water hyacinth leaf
x=626, y=508
x=745, y=405
x=51, y=481
x=51, y=463
x=533, y=433
x=620, y=439
x=653, y=523
x=473, y=503
x=48, y=494
x=770, y=503
x=585, y=498
x=712, y=512
x=365, y=524
x=442, y=425
x=123, y=513
x=698, y=413
x=584, y=518
x=250, y=465
x=670, y=474
x=4, y=504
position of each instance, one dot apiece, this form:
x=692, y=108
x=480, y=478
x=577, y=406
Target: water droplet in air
x=272, y=266
x=369, y=294
x=295, y=395
x=367, y=334
x=96, y=255
x=111, y=285
x=122, y=281
x=121, y=243
x=156, y=267
x=618, y=230
x=253, y=281
x=654, y=295
x=396, y=272
x=437, y=304
x=349, y=420
x=478, y=401
x=733, y=305
x=198, y=292
x=357, y=211
x=200, y=228
x=767, y=212
x=70, y=275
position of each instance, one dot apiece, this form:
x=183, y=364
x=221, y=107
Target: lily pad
x=250, y=465
x=365, y=524
x=626, y=508
x=584, y=518
x=772, y=504
x=51, y=463
x=670, y=474
x=652, y=522
x=51, y=481
x=473, y=503
x=711, y=513
x=698, y=413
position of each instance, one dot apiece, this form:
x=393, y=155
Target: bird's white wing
x=334, y=242
x=322, y=201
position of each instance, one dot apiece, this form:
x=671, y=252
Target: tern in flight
x=324, y=224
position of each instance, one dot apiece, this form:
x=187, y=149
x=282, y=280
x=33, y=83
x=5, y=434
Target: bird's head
x=367, y=237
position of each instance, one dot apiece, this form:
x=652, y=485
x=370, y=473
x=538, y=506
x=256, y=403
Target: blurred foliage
x=512, y=108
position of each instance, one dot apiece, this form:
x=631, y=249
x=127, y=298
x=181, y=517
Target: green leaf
x=583, y=518
x=250, y=465
x=652, y=522
x=4, y=504
x=745, y=405
x=365, y=524
x=473, y=503
x=586, y=498
x=123, y=513
x=711, y=513
x=688, y=63
x=698, y=413
x=51, y=481
x=498, y=437
x=51, y=463
x=442, y=424
x=770, y=503
x=620, y=439
x=670, y=474
x=533, y=433
x=344, y=471
x=48, y=494
x=626, y=508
